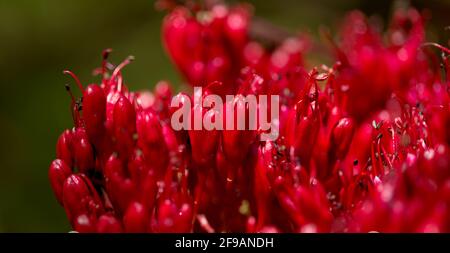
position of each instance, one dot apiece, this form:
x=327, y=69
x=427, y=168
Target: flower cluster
x=363, y=144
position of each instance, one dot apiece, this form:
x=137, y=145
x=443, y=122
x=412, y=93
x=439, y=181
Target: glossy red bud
x=57, y=175
x=203, y=152
x=149, y=191
x=236, y=27
x=148, y=129
x=184, y=219
x=94, y=112
x=80, y=197
x=124, y=121
x=236, y=142
x=63, y=147
x=341, y=137
x=136, y=219
x=138, y=168
x=301, y=134
x=120, y=188
x=166, y=217
x=111, y=99
x=83, y=151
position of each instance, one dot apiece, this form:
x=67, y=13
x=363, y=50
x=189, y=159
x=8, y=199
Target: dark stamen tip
x=106, y=53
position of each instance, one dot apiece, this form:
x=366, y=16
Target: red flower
x=363, y=145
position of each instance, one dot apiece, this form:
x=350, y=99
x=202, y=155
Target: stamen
x=116, y=72
x=442, y=48
x=105, y=55
x=73, y=107
x=80, y=86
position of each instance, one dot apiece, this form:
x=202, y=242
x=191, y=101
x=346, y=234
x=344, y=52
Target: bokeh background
x=40, y=38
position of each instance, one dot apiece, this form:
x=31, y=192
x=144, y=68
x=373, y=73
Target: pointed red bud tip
x=57, y=175
x=342, y=136
x=156, y=171
x=149, y=190
x=120, y=188
x=107, y=223
x=83, y=151
x=124, y=115
x=302, y=130
x=203, y=152
x=251, y=225
x=124, y=122
x=166, y=216
x=137, y=167
x=237, y=25
x=94, y=111
x=136, y=219
x=63, y=150
x=171, y=139
x=148, y=128
x=113, y=166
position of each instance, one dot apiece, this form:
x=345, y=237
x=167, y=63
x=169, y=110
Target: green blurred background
x=40, y=38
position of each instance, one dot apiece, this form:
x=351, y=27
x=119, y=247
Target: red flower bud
x=303, y=127
x=82, y=150
x=81, y=198
x=57, y=175
x=203, y=152
x=341, y=137
x=136, y=219
x=121, y=189
x=124, y=120
x=63, y=147
x=174, y=218
x=94, y=112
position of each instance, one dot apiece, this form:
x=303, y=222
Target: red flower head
x=362, y=145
